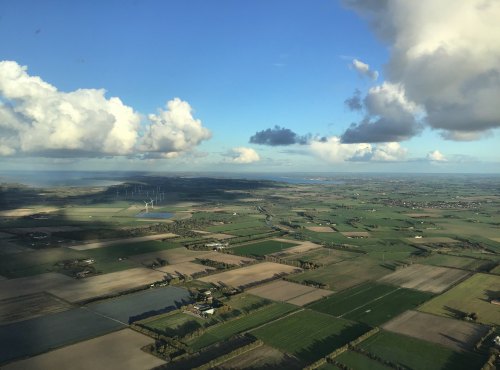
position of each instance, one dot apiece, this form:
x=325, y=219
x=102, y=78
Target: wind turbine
x=152, y=204
x=146, y=203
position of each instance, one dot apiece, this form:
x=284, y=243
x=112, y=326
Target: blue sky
x=243, y=68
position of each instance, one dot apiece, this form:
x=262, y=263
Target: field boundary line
x=273, y=321
x=105, y=316
x=373, y=300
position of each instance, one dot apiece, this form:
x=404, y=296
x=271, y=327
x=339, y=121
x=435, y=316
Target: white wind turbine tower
x=146, y=203
x=152, y=204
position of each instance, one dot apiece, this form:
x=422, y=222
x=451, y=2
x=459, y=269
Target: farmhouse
x=216, y=246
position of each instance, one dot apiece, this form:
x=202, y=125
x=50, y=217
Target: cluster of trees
x=217, y=264
x=378, y=358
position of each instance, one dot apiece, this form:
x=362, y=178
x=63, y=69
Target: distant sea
x=59, y=178
x=91, y=178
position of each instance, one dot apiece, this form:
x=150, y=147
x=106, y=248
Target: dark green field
x=262, y=248
x=418, y=354
x=232, y=327
x=371, y=303
x=309, y=335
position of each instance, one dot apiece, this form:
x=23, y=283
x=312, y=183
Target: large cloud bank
x=445, y=58
x=38, y=119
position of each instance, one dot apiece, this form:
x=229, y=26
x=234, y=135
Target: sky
x=250, y=86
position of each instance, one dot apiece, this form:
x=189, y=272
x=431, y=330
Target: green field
x=227, y=329
x=345, y=274
x=444, y=260
x=309, y=335
x=262, y=248
x=472, y=295
x=360, y=362
x=175, y=324
x=248, y=224
x=371, y=303
x=418, y=354
x=35, y=262
x=323, y=256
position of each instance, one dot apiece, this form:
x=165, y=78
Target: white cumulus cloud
x=436, y=156
x=364, y=69
x=38, y=119
x=174, y=130
x=445, y=55
x=243, y=155
x=334, y=151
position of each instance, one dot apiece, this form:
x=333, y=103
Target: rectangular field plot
x=322, y=256
x=172, y=256
x=34, y=262
x=309, y=335
x=135, y=306
x=120, y=350
x=177, y=324
x=262, y=248
x=418, y=354
x=355, y=360
x=32, y=284
x=455, y=334
x=432, y=279
x=371, y=303
x=34, y=336
x=250, y=274
x=185, y=268
x=344, y=274
x=262, y=357
x=285, y=291
x=471, y=295
x=227, y=329
x=107, y=284
x=444, y=260
x=30, y=306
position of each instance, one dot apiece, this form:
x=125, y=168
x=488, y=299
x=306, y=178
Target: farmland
x=108, y=284
x=51, y=331
x=344, y=274
x=305, y=268
x=289, y=292
x=461, y=335
x=262, y=248
x=309, y=335
x=419, y=354
x=250, y=274
x=371, y=303
x=425, y=278
x=478, y=290
x=118, y=350
x=232, y=327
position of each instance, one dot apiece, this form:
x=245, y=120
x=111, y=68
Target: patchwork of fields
x=354, y=243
